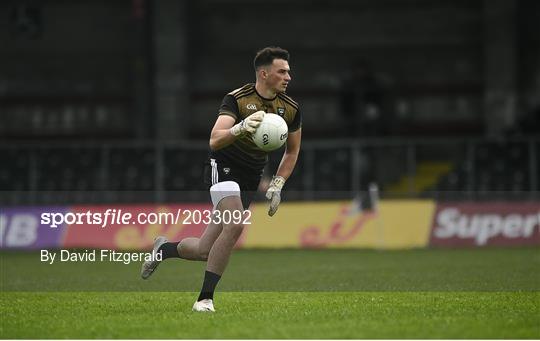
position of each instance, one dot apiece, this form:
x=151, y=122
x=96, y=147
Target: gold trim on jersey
x=243, y=91
x=288, y=100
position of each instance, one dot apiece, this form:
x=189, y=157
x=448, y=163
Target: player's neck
x=264, y=92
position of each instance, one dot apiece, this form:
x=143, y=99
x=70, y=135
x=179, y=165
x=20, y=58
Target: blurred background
x=419, y=168
x=425, y=98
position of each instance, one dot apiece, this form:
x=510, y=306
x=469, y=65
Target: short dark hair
x=267, y=55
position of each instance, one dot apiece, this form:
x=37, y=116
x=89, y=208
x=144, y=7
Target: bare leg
x=219, y=254
x=198, y=248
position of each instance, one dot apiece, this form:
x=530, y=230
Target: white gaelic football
x=272, y=133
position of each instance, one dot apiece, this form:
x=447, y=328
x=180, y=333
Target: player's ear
x=259, y=73
x=264, y=74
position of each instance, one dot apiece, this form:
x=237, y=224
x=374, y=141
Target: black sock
x=169, y=250
x=209, y=285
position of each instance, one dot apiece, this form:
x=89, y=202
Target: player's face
x=278, y=75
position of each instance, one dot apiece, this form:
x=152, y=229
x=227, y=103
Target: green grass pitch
x=483, y=293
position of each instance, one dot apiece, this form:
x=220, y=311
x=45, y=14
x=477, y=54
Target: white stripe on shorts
x=215, y=176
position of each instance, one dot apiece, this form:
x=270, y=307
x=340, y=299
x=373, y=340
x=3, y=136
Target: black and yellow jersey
x=241, y=103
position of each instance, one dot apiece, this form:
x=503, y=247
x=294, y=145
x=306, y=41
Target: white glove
x=249, y=124
x=274, y=193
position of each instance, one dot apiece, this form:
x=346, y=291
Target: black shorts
x=218, y=171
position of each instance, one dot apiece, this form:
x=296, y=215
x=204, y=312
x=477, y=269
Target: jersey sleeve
x=297, y=122
x=229, y=106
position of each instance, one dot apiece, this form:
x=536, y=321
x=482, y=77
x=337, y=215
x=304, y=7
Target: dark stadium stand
x=497, y=168
x=333, y=170
x=15, y=169
x=144, y=172
x=183, y=169
x=132, y=169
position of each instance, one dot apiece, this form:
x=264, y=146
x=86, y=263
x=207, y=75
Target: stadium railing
x=473, y=168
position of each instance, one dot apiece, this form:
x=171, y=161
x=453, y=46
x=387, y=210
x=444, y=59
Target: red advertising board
x=133, y=227
x=490, y=223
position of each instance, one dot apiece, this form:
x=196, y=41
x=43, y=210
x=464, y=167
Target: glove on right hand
x=249, y=124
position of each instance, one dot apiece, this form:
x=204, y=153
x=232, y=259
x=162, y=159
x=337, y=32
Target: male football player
x=235, y=165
